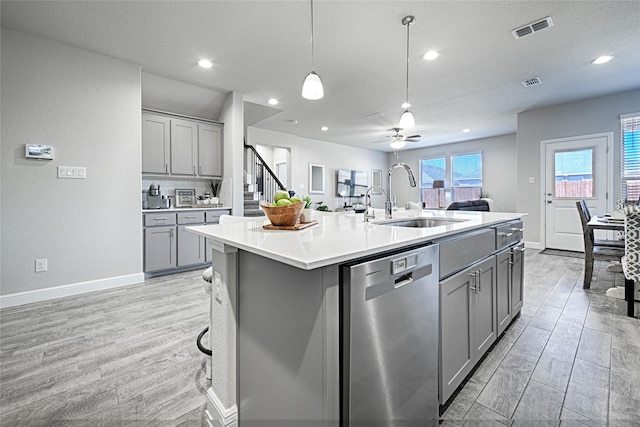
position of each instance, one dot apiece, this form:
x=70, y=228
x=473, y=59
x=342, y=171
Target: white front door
x=574, y=169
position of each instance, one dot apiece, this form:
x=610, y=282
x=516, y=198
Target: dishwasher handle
x=403, y=280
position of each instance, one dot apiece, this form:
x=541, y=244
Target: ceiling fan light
x=312, y=87
x=405, y=105
x=407, y=121
x=397, y=144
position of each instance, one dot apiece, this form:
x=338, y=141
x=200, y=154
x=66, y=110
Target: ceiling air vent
x=533, y=81
x=532, y=27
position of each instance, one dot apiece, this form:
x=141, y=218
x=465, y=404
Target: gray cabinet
x=156, y=137
x=209, y=150
x=159, y=248
x=184, y=148
x=169, y=247
x=467, y=322
x=178, y=147
x=510, y=283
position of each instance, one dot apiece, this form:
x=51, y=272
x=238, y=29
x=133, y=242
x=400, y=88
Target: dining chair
x=631, y=259
x=593, y=252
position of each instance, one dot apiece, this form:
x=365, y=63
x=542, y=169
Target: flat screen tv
x=351, y=183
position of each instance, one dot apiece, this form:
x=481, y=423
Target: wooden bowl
x=283, y=215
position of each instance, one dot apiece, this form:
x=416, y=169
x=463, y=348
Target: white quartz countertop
x=174, y=209
x=339, y=237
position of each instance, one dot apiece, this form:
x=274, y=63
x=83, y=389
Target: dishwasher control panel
x=398, y=265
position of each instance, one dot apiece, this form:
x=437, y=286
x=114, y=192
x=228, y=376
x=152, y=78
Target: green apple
x=295, y=199
x=283, y=202
x=280, y=195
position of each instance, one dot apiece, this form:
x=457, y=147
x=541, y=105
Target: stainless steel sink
x=421, y=222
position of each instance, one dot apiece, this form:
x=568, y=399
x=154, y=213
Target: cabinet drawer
x=154, y=219
x=191, y=217
x=508, y=234
x=459, y=253
x=213, y=217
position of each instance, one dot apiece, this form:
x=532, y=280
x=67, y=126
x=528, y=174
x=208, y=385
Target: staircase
x=251, y=202
x=260, y=182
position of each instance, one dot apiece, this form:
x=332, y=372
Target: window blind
x=630, y=168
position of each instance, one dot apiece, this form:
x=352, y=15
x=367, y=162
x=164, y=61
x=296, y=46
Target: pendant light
x=312, y=86
x=407, y=121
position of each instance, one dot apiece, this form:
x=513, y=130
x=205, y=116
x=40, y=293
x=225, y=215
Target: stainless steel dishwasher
x=389, y=340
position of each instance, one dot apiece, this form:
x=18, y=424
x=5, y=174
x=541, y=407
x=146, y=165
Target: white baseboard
x=38, y=295
x=533, y=245
x=219, y=416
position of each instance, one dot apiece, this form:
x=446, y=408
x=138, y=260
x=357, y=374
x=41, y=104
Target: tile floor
x=127, y=357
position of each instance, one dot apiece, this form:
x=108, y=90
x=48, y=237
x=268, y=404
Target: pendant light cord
x=409, y=22
x=313, y=67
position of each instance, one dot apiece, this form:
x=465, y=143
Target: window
x=573, y=172
x=463, y=179
x=630, y=169
x=432, y=170
x=466, y=177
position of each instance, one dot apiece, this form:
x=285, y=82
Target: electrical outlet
x=217, y=283
x=532, y=180
x=41, y=265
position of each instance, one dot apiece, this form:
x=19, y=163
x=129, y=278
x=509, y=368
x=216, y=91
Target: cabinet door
x=209, y=150
x=456, y=351
x=517, y=279
x=159, y=248
x=483, y=306
x=183, y=147
x=155, y=144
x=190, y=248
x=503, y=289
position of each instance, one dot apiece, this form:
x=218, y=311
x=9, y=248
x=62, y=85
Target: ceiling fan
x=398, y=140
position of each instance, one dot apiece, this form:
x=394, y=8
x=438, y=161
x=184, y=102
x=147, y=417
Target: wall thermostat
x=39, y=152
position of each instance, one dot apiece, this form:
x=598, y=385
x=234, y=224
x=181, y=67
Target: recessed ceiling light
x=205, y=63
x=431, y=55
x=324, y=128
x=466, y=130
x=273, y=101
x=602, y=59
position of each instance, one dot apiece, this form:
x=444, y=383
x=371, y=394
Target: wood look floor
x=127, y=357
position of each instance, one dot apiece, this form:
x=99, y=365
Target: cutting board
x=298, y=226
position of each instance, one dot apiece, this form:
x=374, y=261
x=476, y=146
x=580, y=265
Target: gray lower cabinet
x=510, y=272
x=467, y=322
x=159, y=248
x=168, y=246
x=517, y=278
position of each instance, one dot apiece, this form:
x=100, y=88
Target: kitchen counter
x=198, y=208
x=339, y=237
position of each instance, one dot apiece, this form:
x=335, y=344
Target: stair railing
x=262, y=178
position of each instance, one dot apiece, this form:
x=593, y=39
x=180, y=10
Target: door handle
x=405, y=282
x=549, y=194
x=549, y=201
x=479, y=279
x=474, y=288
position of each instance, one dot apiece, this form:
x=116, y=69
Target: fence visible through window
x=574, y=173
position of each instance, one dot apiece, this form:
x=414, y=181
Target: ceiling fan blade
x=414, y=136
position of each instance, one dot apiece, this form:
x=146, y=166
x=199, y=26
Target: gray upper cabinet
x=178, y=147
x=156, y=138
x=184, y=148
x=209, y=150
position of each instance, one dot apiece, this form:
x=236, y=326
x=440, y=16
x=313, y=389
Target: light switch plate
x=72, y=172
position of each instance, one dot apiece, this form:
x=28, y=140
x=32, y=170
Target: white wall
x=590, y=116
x=332, y=156
x=498, y=169
x=86, y=106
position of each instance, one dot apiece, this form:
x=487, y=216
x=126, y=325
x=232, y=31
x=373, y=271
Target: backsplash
x=168, y=188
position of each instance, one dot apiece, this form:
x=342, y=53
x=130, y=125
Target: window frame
x=632, y=122
x=448, y=175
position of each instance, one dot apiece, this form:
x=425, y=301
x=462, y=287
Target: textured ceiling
x=262, y=49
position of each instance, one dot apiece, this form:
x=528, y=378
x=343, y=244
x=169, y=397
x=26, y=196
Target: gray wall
x=498, y=169
x=86, y=106
x=591, y=116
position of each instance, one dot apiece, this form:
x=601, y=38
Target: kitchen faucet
x=367, y=203
x=388, y=207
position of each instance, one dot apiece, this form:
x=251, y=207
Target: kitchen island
x=277, y=323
